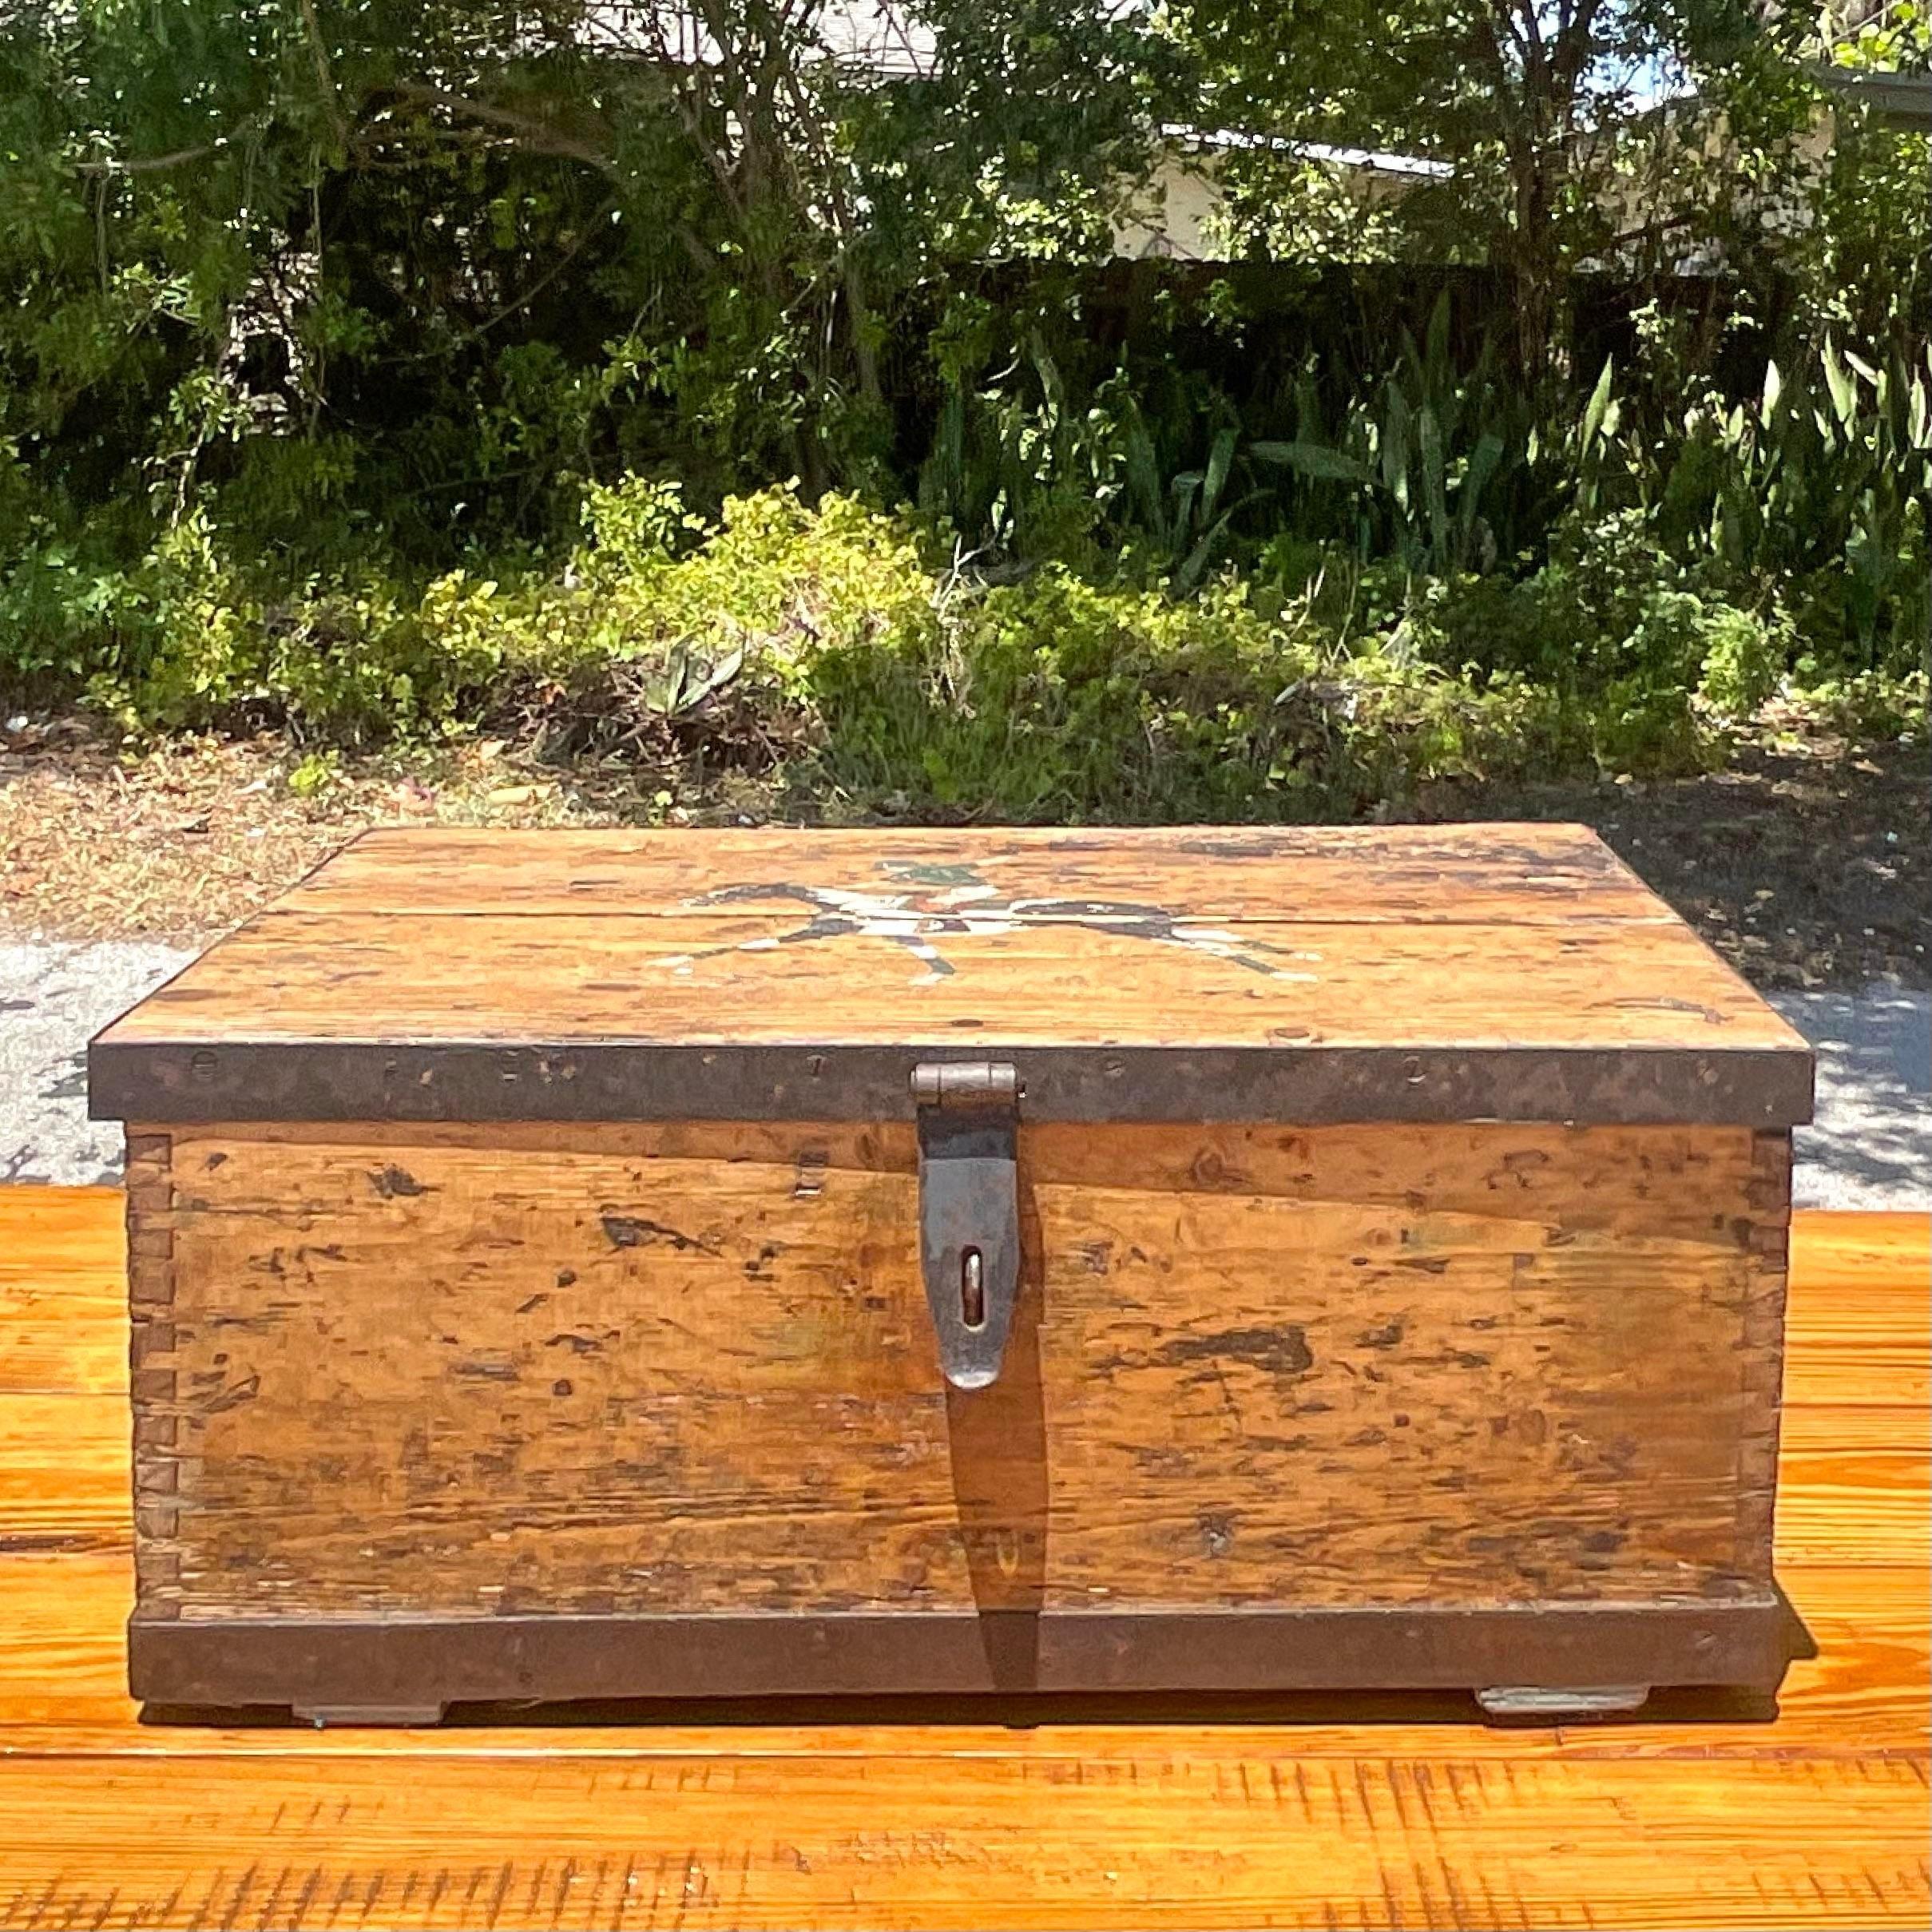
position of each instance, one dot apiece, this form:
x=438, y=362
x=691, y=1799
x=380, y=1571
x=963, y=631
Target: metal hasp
x=969, y=1113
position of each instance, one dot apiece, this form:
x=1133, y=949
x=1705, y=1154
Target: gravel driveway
x=53, y=999
x=1870, y=1146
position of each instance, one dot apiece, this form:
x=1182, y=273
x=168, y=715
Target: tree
x=1569, y=132
x=478, y=249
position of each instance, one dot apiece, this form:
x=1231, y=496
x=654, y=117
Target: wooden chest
x=609, y=1264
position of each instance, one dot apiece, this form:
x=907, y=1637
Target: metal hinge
x=969, y=1114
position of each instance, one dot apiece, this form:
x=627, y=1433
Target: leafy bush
x=1823, y=486
x=1053, y=698
x=191, y=635
x=324, y=326
x=845, y=647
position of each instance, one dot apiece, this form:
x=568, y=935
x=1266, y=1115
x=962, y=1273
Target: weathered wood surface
x=736, y=979
x=691, y=1368
x=1534, y=938
x=1287, y=1811
x=1387, y=874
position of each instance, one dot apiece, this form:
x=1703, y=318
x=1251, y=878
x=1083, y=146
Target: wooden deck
x=1297, y=1812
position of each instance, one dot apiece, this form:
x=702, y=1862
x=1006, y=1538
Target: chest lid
x=1481, y=972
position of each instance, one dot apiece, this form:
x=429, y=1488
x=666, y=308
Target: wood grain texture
x=1513, y=973
x=1847, y=1346
x=1296, y=1812
x=748, y=980
x=1846, y=1251
x=1387, y=874
x=691, y=1368
x=1534, y=936
x=1854, y=1461
x=62, y=1297
x=63, y=1688
x=63, y=1473
x=912, y=1841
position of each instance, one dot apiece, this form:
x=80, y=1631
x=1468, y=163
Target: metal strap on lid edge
x=1756, y=1087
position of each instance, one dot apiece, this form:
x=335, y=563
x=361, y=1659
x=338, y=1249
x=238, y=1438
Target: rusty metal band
x=838, y=1081
x=375, y=1662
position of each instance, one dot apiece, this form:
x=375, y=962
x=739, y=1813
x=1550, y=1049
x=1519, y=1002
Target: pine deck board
x=1289, y=1812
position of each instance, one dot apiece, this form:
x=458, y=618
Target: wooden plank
x=421, y=1372
x=1876, y=1260
x=1852, y=1335
x=63, y=1486
x=63, y=1654
x=45, y=1350
x=1842, y=1366
x=1854, y=1473
x=915, y=1841
x=779, y=979
x=1871, y=1678
x=63, y=1301
x=1451, y=874
x=1530, y=1185
x=64, y=1473
x=67, y=1237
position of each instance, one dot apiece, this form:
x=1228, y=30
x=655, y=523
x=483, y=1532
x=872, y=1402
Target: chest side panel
x=517, y=1369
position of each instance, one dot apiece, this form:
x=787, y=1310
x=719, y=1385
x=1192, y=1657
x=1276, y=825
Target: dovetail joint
x=152, y=1374
x=1761, y=1351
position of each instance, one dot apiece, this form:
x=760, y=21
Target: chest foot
x=367, y=1716
x=1555, y=1703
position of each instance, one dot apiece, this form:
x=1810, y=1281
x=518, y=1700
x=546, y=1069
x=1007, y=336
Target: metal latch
x=969, y=1114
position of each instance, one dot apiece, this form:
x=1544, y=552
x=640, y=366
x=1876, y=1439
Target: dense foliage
x=760, y=373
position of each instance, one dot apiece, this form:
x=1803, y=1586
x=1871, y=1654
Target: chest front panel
x=655, y=1368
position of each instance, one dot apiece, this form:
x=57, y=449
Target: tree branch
x=150, y=164
x=530, y=130
x=852, y=275
x=693, y=125
x=530, y=295
x=1573, y=48
x=331, y=102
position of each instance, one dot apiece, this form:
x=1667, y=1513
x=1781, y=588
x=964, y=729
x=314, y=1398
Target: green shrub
x=829, y=640
x=190, y=637
x=1744, y=656
x=1867, y=704
x=1055, y=698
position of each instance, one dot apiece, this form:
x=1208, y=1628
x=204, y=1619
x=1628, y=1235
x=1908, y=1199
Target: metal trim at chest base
x=402, y=1662
x=838, y=1081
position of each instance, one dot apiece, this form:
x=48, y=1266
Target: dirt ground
x=1806, y=862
